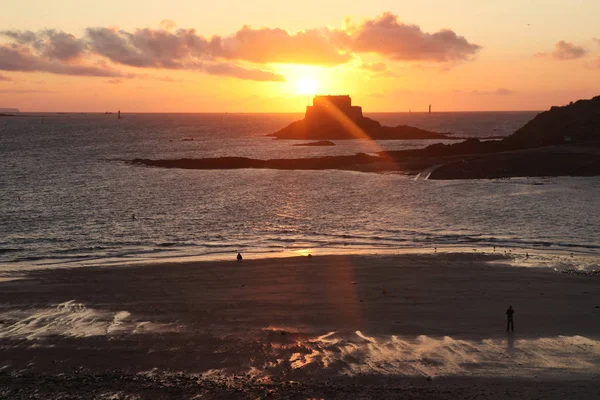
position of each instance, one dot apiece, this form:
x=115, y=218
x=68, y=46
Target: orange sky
x=265, y=56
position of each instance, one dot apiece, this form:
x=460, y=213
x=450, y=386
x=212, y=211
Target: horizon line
x=251, y=112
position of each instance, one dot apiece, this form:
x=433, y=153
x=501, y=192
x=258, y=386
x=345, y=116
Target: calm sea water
x=66, y=196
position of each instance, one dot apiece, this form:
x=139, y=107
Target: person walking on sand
x=510, y=323
x=239, y=257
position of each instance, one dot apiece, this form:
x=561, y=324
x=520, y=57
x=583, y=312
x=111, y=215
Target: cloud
x=20, y=58
x=226, y=69
x=114, y=81
x=4, y=78
x=184, y=49
x=100, y=50
x=567, y=51
x=55, y=45
x=374, y=67
x=147, y=48
x=497, y=92
x=266, y=45
x=388, y=37
x=596, y=40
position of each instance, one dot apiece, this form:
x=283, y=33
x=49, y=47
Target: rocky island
x=335, y=118
x=319, y=143
x=564, y=141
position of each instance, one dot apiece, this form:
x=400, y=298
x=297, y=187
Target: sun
x=306, y=86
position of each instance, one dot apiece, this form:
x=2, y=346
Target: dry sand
x=410, y=326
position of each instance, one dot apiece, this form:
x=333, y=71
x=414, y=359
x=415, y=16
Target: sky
x=272, y=56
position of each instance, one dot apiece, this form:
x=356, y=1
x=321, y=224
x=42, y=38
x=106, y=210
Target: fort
x=326, y=108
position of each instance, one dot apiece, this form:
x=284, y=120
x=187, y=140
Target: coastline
x=321, y=323
x=556, y=257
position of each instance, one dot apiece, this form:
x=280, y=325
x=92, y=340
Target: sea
x=69, y=198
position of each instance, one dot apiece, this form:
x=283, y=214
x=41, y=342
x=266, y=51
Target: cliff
x=9, y=110
x=574, y=123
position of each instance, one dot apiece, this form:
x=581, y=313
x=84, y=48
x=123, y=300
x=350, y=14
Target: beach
x=428, y=325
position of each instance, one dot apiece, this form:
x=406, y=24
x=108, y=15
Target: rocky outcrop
x=575, y=123
x=319, y=143
x=363, y=128
x=335, y=118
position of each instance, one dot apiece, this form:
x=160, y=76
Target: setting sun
x=307, y=86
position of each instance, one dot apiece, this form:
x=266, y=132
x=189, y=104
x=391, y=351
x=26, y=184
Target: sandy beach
x=403, y=326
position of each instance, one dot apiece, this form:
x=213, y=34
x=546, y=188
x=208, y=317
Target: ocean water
x=67, y=196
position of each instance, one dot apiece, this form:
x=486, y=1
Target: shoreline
x=520, y=254
x=303, y=325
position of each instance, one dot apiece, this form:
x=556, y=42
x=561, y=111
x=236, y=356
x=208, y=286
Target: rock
x=319, y=143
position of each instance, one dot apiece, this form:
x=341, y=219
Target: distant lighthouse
x=430, y=109
x=119, y=113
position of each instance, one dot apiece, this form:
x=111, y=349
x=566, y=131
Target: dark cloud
x=497, y=92
x=63, y=46
x=19, y=58
x=567, y=51
x=4, y=78
x=56, y=45
x=375, y=67
x=388, y=37
x=115, y=45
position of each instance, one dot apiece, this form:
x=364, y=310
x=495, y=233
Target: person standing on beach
x=509, y=319
x=239, y=257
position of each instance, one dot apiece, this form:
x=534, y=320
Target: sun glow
x=306, y=86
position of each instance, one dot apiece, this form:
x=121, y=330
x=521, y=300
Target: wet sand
x=412, y=325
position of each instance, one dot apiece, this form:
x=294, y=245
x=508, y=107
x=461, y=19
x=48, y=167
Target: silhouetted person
x=133, y=217
x=239, y=257
x=509, y=319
